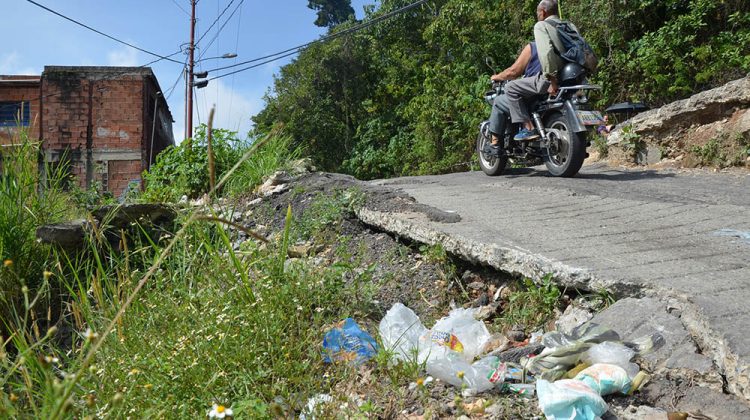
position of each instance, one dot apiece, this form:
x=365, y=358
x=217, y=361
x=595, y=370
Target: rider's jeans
x=499, y=115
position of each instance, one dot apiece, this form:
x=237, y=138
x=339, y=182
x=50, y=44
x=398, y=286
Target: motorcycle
x=563, y=122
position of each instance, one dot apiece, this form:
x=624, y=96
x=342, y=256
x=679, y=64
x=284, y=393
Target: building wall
x=98, y=117
x=105, y=125
x=12, y=91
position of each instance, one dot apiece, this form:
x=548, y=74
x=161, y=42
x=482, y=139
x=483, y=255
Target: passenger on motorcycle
x=518, y=91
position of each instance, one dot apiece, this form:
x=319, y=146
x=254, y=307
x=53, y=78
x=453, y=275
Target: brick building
x=105, y=124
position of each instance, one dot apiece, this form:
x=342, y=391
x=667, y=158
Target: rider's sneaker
x=526, y=134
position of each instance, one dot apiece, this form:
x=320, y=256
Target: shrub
x=181, y=171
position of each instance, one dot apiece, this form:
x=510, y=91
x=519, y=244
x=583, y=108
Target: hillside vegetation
x=403, y=97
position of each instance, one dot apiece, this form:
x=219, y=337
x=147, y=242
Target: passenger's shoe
x=526, y=134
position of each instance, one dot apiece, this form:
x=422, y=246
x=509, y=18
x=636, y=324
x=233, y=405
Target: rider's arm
x=517, y=68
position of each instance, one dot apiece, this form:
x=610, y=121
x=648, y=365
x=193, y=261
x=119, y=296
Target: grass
x=532, y=306
x=23, y=208
x=152, y=322
x=723, y=151
x=600, y=145
x=167, y=327
x=275, y=155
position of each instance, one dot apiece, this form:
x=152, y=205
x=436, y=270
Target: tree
x=404, y=96
x=331, y=12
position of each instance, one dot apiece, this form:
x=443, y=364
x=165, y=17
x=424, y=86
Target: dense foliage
x=403, y=97
x=182, y=170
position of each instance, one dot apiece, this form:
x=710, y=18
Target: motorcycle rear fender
x=576, y=125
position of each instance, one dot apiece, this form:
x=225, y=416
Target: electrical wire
x=180, y=7
x=101, y=33
x=291, y=51
x=236, y=45
x=214, y=23
x=174, y=86
x=220, y=29
x=112, y=76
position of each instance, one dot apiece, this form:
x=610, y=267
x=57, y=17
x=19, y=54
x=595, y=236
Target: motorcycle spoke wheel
x=490, y=164
x=566, y=150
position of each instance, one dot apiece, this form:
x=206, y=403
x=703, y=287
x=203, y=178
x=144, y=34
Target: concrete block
x=679, y=357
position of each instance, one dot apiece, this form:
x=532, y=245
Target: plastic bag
x=480, y=376
x=448, y=348
x=569, y=399
x=612, y=353
x=400, y=331
x=349, y=343
x=471, y=335
x=605, y=379
x=564, y=351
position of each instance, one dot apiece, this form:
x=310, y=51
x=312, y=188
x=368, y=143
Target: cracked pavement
x=679, y=236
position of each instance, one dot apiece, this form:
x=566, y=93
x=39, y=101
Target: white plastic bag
x=612, y=353
x=471, y=333
x=480, y=376
x=569, y=399
x=400, y=331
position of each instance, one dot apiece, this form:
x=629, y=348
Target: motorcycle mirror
x=490, y=63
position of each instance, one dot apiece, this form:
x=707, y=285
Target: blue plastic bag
x=349, y=343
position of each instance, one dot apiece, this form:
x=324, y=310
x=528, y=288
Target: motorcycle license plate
x=590, y=117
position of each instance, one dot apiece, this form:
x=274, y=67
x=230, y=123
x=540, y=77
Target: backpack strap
x=554, y=25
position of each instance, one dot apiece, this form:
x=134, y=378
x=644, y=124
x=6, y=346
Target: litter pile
x=572, y=372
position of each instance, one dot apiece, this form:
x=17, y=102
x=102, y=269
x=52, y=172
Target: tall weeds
x=165, y=328
x=27, y=200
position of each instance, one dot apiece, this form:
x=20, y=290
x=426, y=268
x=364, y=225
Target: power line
x=101, y=33
x=214, y=23
x=236, y=45
x=171, y=89
x=205, y=49
x=105, y=78
x=291, y=51
x=180, y=7
x=256, y=65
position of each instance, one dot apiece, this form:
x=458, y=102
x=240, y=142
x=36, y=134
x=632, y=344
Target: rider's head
x=546, y=9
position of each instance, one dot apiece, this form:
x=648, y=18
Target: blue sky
x=35, y=38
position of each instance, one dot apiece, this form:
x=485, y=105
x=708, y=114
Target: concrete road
x=681, y=236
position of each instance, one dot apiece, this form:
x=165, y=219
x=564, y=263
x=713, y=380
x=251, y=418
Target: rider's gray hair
x=549, y=6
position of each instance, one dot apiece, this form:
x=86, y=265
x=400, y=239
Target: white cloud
x=124, y=57
x=10, y=63
x=233, y=108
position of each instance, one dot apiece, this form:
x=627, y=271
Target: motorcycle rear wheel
x=567, y=149
x=491, y=165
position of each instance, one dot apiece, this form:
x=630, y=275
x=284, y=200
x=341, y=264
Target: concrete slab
x=678, y=357
x=633, y=232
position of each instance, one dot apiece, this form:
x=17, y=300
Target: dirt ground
x=423, y=278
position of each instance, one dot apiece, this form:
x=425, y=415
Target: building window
x=13, y=114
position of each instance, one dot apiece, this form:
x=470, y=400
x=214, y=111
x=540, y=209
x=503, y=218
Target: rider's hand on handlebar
x=496, y=78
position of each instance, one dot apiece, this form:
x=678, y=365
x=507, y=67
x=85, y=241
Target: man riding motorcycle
x=553, y=129
x=518, y=91
x=528, y=65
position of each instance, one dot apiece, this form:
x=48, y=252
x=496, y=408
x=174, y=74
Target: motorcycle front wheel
x=566, y=151
x=491, y=165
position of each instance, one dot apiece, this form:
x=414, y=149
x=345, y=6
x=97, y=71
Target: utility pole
x=191, y=64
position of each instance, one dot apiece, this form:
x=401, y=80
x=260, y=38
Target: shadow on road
x=606, y=175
